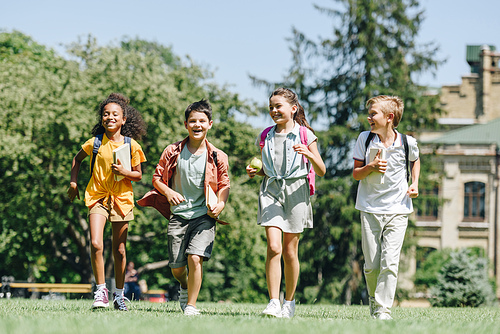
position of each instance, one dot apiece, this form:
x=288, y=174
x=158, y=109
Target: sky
x=236, y=39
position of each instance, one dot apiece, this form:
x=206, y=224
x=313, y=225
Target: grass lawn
x=75, y=316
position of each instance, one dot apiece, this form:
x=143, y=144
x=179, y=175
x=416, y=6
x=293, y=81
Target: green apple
x=256, y=163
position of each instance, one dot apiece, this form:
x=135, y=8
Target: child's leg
x=392, y=242
x=195, y=276
x=371, y=233
x=291, y=261
x=180, y=274
x=273, y=261
x=97, y=223
x=120, y=231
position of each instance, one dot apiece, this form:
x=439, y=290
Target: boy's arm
x=360, y=170
x=173, y=197
x=415, y=174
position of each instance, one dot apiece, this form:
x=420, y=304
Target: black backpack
x=405, y=144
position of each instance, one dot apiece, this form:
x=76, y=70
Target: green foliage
x=462, y=282
x=428, y=266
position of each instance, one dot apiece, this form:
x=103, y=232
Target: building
x=468, y=153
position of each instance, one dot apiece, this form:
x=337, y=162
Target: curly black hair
x=134, y=127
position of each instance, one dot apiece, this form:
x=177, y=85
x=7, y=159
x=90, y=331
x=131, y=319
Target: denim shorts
x=189, y=236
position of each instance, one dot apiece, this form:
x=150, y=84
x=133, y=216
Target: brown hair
x=389, y=104
x=292, y=98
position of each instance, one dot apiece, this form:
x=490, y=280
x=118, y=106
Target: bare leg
x=120, y=231
x=291, y=262
x=195, y=276
x=97, y=223
x=273, y=261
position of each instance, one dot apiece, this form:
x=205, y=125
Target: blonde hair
x=389, y=104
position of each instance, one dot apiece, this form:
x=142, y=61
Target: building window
x=474, y=201
x=428, y=204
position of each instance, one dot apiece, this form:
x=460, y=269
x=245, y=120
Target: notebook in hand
x=212, y=201
x=122, y=153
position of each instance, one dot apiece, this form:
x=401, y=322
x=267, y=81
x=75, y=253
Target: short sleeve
x=311, y=137
x=88, y=146
x=413, y=148
x=360, y=149
x=138, y=155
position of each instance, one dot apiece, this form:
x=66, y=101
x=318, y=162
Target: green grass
x=75, y=316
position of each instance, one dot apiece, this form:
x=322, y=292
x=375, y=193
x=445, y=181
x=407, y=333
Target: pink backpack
x=303, y=139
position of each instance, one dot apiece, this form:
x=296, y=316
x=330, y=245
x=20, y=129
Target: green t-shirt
x=188, y=180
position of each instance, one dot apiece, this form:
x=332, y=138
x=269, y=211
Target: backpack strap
x=214, y=156
x=263, y=136
x=407, y=157
x=95, y=150
x=311, y=176
x=368, y=140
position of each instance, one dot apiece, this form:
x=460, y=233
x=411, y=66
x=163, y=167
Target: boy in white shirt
x=384, y=203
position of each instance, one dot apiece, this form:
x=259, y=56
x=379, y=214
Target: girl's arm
x=134, y=175
x=312, y=154
x=75, y=169
x=361, y=170
x=415, y=174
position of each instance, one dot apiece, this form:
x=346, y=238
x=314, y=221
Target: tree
x=372, y=51
x=462, y=282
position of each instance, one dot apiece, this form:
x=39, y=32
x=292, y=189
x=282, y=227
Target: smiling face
x=281, y=110
x=112, y=118
x=378, y=119
x=197, y=125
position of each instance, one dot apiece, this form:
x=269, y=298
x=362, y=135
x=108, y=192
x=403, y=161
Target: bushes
x=463, y=281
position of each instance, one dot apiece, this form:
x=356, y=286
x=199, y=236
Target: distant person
x=107, y=199
x=284, y=196
x=185, y=171
x=384, y=198
x=132, y=288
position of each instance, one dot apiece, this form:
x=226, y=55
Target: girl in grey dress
x=284, y=196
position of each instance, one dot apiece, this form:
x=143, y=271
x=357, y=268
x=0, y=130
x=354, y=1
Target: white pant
x=382, y=237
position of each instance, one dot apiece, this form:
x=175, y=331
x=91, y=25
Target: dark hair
x=200, y=106
x=134, y=127
x=292, y=98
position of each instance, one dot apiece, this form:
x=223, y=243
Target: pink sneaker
x=101, y=298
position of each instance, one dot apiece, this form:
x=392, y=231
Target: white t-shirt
x=389, y=197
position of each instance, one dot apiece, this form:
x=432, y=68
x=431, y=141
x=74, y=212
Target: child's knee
x=274, y=249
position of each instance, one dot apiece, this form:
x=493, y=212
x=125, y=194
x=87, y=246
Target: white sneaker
x=373, y=307
x=273, y=309
x=384, y=316
x=288, y=309
x=191, y=310
x=183, y=298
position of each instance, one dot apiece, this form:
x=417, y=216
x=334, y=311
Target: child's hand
x=215, y=211
x=378, y=165
x=73, y=191
x=412, y=191
x=302, y=149
x=118, y=168
x=174, y=198
x=251, y=171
